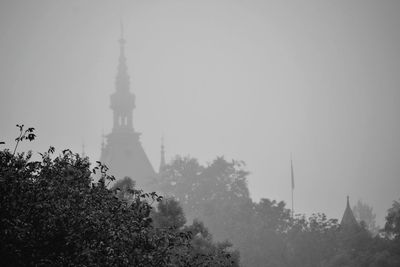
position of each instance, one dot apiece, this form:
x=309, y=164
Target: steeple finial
x=122, y=74
x=122, y=39
x=121, y=28
x=121, y=23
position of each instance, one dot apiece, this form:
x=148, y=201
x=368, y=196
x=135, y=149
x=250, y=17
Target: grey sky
x=251, y=80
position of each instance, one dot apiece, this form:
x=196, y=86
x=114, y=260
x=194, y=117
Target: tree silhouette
x=364, y=214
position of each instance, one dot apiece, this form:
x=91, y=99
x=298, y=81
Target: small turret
x=348, y=219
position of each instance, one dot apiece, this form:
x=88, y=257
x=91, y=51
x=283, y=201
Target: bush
x=52, y=214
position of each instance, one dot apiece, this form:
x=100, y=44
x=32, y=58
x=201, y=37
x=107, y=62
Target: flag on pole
x=291, y=166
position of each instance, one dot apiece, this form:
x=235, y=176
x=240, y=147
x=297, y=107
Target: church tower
x=122, y=152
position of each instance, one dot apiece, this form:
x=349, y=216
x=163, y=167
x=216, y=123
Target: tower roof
x=348, y=219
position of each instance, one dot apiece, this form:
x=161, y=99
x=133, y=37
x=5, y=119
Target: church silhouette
x=122, y=151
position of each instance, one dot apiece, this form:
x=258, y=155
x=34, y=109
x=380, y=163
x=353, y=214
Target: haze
x=249, y=80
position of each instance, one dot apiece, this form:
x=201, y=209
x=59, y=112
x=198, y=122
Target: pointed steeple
x=348, y=219
x=162, y=159
x=122, y=101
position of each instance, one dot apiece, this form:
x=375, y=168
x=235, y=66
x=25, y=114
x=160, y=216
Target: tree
x=358, y=248
x=311, y=241
x=169, y=214
x=264, y=232
x=205, y=252
x=216, y=194
x=392, y=225
x=180, y=179
x=123, y=189
x=263, y=242
x=364, y=215
x=201, y=250
x=205, y=191
x=52, y=214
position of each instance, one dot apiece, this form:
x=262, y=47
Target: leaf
x=31, y=137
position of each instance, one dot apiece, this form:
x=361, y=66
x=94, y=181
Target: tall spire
x=122, y=101
x=162, y=160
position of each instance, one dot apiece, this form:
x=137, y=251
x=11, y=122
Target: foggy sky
x=250, y=80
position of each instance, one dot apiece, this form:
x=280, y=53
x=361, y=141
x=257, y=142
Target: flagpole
x=292, y=179
x=292, y=204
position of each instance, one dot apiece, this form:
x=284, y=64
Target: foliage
x=217, y=194
x=53, y=214
x=169, y=214
x=204, y=252
x=123, y=188
x=201, y=250
x=24, y=135
x=364, y=214
x=205, y=191
x=311, y=241
x=264, y=232
x=392, y=226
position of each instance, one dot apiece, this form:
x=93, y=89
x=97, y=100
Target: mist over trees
x=252, y=80
x=364, y=215
x=53, y=214
x=265, y=233
x=392, y=225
